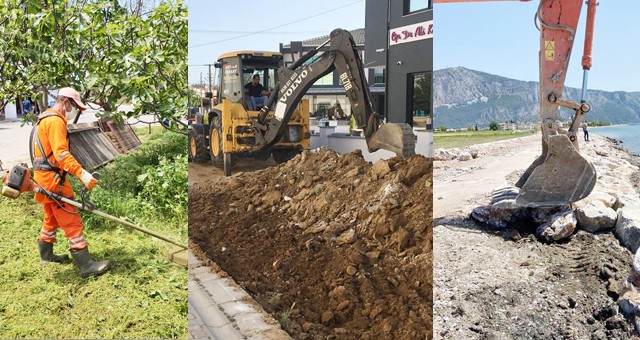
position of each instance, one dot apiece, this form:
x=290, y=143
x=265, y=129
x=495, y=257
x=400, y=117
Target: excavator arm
x=295, y=80
x=560, y=175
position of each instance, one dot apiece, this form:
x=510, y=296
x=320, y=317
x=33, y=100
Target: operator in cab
x=256, y=92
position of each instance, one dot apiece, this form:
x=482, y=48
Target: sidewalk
x=219, y=309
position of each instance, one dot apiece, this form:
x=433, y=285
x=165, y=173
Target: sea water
x=629, y=135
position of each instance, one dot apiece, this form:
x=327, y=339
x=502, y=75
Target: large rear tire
x=284, y=155
x=197, y=147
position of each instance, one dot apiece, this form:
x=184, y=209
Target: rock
x=351, y=270
x=352, y=173
x=306, y=326
x=401, y=239
x=347, y=237
x=373, y=255
x=318, y=228
x=629, y=300
x=464, y=156
x=342, y=305
x=596, y=217
x=628, y=227
x=623, y=200
x=416, y=171
x=375, y=311
x=609, y=200
x=634, y=277
x=606, y=312
x=277, y=264
x=380, y=169
x=338, y=292
x=357, y=258
x=271, y=197
x=560, y=226
x=327, y=316
x=499, y=215
x=443, y=155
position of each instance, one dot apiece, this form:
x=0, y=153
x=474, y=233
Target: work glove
x=88, y=180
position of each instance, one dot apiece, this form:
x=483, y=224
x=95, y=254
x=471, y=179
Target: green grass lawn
x=459, y=139
x=143, y=295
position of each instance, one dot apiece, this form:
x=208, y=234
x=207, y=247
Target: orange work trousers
x=69, y=221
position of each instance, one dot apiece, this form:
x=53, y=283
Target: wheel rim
x=215, y=142
x=192, y=144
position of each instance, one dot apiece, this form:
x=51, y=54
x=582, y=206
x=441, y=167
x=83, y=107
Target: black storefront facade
x=399, y=47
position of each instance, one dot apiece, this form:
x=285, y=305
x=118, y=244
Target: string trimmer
x=19, y=180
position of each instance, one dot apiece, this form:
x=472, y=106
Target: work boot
x=46, y=253
x=87, y=266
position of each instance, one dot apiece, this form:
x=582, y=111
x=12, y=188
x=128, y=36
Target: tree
x=493, y=126
x=111, y=55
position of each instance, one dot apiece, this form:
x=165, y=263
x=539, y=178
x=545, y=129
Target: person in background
x=27, y=106
x=584, y=129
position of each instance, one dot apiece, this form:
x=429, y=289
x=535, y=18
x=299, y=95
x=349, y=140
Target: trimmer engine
x=16, y=180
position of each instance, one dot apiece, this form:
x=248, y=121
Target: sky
x=213, y=21
x=500, y=38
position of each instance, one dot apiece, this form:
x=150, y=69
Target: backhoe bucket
x=397, y=138
x=563, y=177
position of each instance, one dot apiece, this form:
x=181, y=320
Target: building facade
x=399, y=50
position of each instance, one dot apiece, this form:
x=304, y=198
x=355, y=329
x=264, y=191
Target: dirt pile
x=329, y=244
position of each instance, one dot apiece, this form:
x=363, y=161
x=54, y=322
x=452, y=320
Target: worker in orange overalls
x=50, y=138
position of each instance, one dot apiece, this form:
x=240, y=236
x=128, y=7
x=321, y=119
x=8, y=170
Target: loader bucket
x=562, y=177
x=398, y=138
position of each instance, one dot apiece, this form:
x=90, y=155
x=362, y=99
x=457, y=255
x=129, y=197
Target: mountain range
x=464, y=97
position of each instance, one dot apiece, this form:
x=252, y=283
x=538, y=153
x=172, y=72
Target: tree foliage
x=111, y=53
x=493, y=126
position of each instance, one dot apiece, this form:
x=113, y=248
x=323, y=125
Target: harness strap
x=43, y=163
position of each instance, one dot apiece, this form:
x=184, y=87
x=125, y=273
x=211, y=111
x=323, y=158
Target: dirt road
x=497, y=164
x=488, y=286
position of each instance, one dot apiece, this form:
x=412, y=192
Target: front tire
x=219, y=158
x=215, y=142
x=197, y=150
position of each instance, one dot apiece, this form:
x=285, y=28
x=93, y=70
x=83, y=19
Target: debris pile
x=613, y=206
x=330, y=244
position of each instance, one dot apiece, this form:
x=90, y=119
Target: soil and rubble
x=331, y=245
x=503, y=271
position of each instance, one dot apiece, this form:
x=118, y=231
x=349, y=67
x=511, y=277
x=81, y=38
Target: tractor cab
x=238, y=69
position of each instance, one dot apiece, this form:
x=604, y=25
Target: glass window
x=330, y=107
x=411, y=6
x=326, y=80
x=378, y=76
x=420, y=89
x=231, y=81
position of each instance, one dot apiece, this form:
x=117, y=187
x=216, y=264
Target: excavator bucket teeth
x=564, y=177
x=398, y=138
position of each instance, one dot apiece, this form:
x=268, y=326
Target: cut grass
x=449, y=140
x=143, y=295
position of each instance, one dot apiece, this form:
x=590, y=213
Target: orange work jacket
x=54, y=138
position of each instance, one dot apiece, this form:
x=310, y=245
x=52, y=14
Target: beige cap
x=73, y=94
